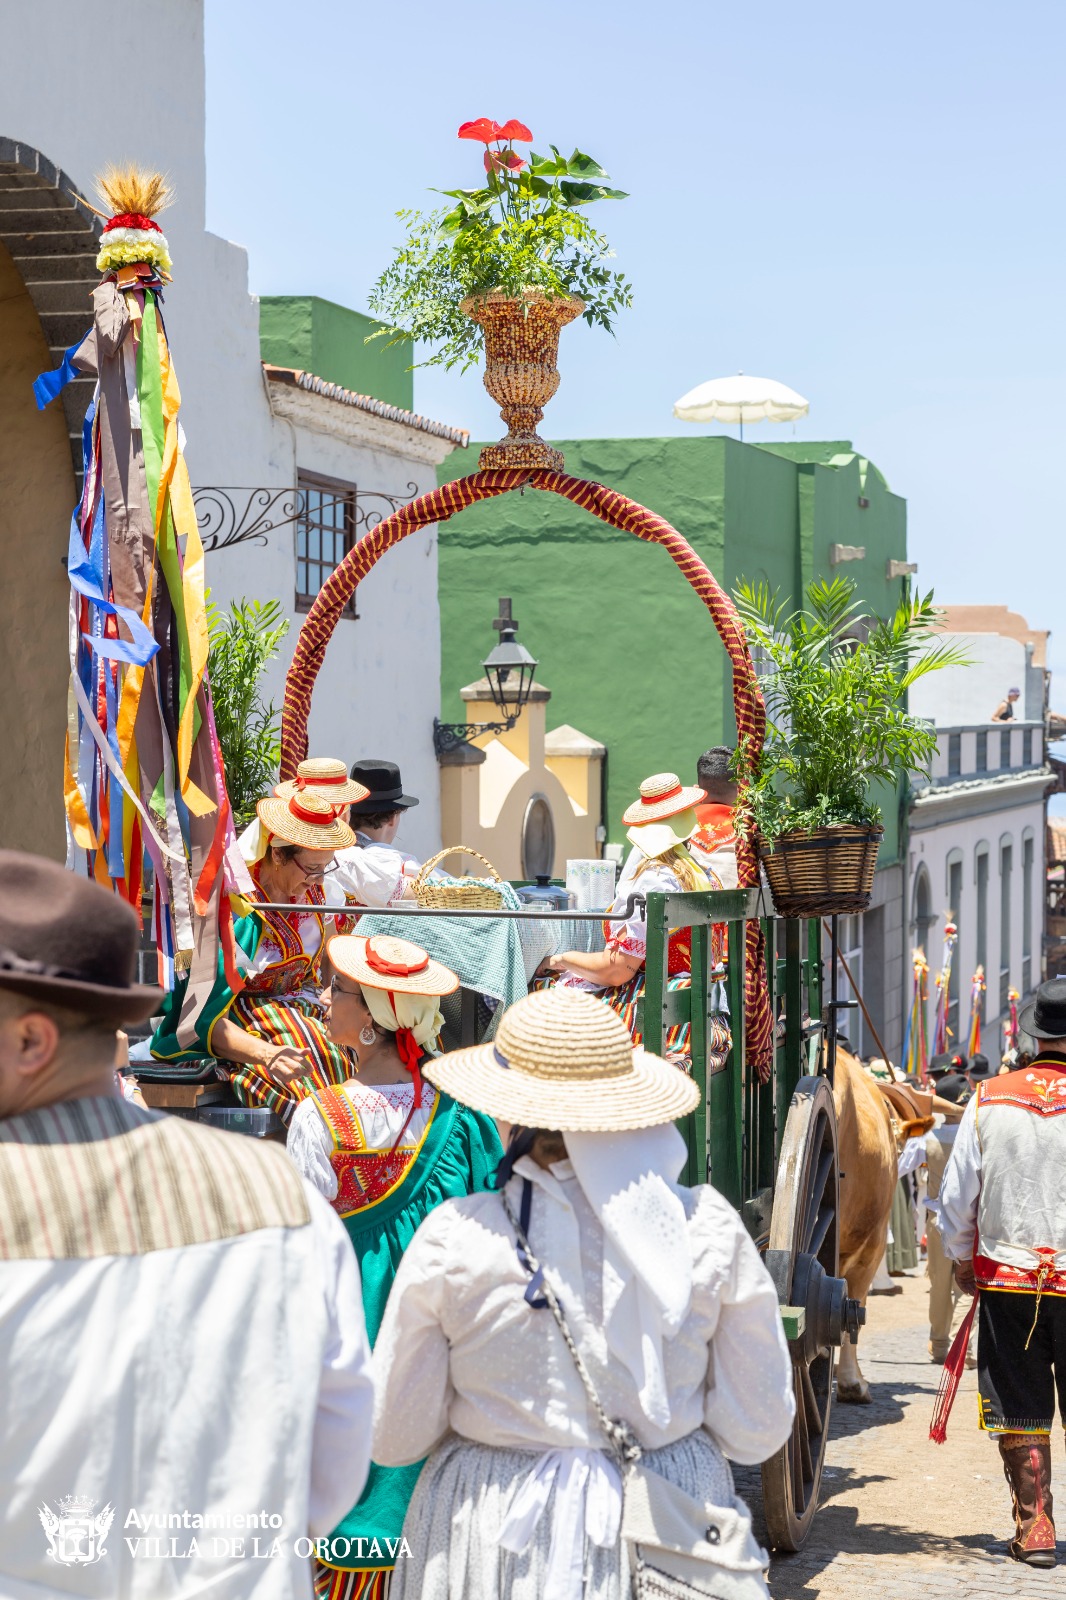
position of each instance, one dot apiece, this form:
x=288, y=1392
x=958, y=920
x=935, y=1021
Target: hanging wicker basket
x=826, y=873
x=469, y=895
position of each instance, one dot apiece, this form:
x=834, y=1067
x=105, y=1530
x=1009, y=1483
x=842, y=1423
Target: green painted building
x=309, y=334
x=628, y=650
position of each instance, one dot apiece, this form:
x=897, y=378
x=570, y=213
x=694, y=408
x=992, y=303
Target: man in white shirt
x=183, y=1356
x=1002, y=1217
x=377, y=817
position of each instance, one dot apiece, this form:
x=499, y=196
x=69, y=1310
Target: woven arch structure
x=618, y=511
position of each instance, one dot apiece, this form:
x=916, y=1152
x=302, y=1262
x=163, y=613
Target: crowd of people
x=465, y=1335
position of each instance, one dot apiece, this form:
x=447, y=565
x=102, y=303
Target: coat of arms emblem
x=75, y=1536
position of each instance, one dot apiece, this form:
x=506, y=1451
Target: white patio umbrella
x=741, y=399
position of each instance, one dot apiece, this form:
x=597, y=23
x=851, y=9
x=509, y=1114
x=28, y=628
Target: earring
x=368, y=1035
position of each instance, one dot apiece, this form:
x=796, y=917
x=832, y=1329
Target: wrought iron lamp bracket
x=452, y=735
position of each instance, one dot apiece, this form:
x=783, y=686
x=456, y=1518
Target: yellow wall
x=38, y=495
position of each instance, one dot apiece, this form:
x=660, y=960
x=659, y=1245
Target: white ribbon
x=588, y=1505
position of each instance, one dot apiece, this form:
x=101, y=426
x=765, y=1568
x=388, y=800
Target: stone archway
x=48, y=245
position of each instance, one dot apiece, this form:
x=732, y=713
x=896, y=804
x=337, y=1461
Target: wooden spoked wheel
x=803, y=1260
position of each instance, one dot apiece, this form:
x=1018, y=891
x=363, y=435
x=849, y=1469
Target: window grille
x=325, y=532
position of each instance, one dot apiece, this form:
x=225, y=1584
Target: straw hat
x=563, y=1059
x=381, y=962
x=662, y=795
x=325, y=776
x=307, y=820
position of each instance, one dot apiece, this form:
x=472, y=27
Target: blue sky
x=863, y=201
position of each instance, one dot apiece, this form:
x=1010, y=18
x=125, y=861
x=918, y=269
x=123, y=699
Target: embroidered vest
x=364, y=1176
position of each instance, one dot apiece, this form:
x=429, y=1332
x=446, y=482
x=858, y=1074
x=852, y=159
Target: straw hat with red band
x=382, y=962
x=306, y=820
x=662, y=795
x=325, y=776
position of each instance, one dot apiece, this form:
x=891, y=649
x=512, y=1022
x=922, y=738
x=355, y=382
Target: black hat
x=955, y=1088
x=947, y=1061
x=1045, y=1015
x=383, y=780
x=981, y=1067
x=66, y=940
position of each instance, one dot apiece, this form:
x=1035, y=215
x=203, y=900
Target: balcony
x=986, y=750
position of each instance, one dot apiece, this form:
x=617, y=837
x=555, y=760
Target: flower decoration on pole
x=977, y=1005
x=1010, y=1027
x=144, y=778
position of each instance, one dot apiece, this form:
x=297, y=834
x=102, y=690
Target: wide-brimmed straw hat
x=325, y=776
x=382, y=962
x=66, y=940
x=562, y=1059
x=662, y=795
x=306, y=820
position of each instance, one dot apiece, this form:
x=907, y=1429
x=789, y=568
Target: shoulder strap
x=621, y=1441
x=341, y=1121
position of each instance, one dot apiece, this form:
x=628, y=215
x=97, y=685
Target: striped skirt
x=334, y=1583
x=289, y=1021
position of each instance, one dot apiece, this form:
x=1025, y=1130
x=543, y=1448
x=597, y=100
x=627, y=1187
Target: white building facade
x=977, y=827
x=252, y=433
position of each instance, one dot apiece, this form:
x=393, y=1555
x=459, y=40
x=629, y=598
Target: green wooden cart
x=771, y=1149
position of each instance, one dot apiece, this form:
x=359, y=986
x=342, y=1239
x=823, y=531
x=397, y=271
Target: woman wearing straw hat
x=268, y=1024
x=659, y=825
x=360, y=876
x=662, y=1296
x=385, y=1149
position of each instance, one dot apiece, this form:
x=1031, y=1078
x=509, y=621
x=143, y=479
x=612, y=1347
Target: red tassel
x=951, y=1377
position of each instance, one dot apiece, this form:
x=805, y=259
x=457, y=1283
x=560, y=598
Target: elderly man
x=183, y=1358
x=1002, y=1214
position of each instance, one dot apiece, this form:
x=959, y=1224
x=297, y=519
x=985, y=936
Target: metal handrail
x=635, y=902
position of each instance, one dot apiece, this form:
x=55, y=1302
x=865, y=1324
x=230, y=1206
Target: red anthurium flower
x=483, y=129
x=503, y=161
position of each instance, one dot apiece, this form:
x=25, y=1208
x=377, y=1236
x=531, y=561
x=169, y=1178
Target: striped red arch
x=611, y=507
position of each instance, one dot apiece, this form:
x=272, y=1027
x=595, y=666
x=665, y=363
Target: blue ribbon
x=47, y=385
x=84, y=569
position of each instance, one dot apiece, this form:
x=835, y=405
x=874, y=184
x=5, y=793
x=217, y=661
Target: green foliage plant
x=836, y=704
x=243, y=640
x=524, y=229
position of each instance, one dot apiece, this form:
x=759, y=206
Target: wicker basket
x=456, y=896
x=826, y=873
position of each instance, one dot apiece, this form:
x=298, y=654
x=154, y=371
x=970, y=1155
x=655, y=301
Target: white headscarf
x=418, y=1012
x=630, y=1181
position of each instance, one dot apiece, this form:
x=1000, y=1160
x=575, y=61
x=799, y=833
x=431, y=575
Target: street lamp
x=509, y=668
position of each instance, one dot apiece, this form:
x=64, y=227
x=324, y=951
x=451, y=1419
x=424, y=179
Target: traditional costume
x=385, y=1156
x=659, y=825
x=280, y=996
x=1003, y=1205
x=180, y=1319
x=665, y=1298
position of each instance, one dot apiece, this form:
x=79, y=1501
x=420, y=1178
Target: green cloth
x=903, y=1251
x=459, y=1154
x=165, y=1047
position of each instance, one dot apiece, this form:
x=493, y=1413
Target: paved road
x=902, y=1519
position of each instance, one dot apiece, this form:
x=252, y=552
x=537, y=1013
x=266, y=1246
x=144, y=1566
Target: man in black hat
x=1002, y=1214
x=181, y=1322
x=377, y=818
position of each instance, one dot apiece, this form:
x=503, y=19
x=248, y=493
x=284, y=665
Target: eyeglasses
x=335, y=988
x=315, y=871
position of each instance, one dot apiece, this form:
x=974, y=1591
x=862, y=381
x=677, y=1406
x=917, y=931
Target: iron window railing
x=325, y=532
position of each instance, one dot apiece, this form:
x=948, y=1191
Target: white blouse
x=381, y=1109
x=461, y=1349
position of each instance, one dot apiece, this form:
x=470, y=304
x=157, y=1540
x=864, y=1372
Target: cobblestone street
x=901, y=1518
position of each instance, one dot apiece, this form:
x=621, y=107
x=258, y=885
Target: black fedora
x=383, y=780
x=1045, y=1015
x=66, y=940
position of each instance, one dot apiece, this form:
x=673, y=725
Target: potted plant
x=242, y=642
x=505, y=269
x=836, y=724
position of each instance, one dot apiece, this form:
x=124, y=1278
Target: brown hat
x=66, y=940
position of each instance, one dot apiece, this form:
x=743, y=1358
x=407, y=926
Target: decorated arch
x=619, y=512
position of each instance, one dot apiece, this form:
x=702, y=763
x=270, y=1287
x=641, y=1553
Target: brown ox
x=866, y=1150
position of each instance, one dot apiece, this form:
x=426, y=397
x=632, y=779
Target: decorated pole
x=943, y=988
x=915, y=1043
x=977, y=989
x=143, y=769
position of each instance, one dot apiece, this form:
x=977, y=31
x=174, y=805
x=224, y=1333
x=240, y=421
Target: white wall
x=59, y=75
x=959, y=695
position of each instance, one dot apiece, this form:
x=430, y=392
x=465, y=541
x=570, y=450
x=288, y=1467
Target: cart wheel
x=803, y=1261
